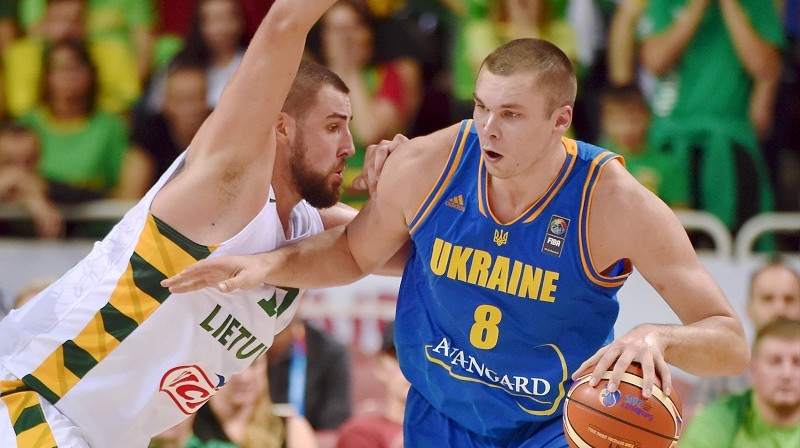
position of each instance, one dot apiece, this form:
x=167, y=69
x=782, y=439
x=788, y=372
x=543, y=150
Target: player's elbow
x=285, y=19
x=737, y=357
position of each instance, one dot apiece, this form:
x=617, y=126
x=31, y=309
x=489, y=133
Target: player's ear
x=563, y=118
x=285, y=128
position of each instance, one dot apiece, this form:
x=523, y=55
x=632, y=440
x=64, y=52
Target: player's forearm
x=285, y=24
x=760, y=59
x=713, y=346
x=321, y=261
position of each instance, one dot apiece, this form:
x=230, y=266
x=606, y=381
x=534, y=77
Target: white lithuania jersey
x=122, y=357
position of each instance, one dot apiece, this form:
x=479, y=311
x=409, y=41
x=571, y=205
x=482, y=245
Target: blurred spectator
x=174, y=17
x=216, y=40
x=586, y=20
x=20, y=181
x=162, y=136
x=176, y=437
x=241, y=415
x=483, y=25
x=8, y=23
x=588, y=25
x=254, y=11
x=625, y=121
x=718, y=64
x=774, y=293
x=118, y=83
x=384, y=96
x=623, y=51
x=383, y=430
x=783, y=148
x=2, y=98
x=311, y=371
x=127, y=22
x=419, y=30
x=82, y=148
x=766, y=415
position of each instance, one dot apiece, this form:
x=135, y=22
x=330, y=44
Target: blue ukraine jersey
x=493, y=318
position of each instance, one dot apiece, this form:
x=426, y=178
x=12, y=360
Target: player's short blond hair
x=551, y=67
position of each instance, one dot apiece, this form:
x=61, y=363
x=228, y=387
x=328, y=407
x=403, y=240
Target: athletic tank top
x=493, y=318
x=122, y=357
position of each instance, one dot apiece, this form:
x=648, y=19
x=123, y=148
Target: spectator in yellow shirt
x=117, y=77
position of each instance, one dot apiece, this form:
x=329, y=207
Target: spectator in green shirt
x=768, y=414
x=625, y=120
x=718, y=64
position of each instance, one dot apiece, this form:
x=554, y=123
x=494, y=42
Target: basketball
x=594, y=417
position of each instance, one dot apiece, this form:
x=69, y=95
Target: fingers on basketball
x=623, y=418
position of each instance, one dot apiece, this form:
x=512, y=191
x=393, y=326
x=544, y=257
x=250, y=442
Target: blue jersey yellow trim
x=502, y=313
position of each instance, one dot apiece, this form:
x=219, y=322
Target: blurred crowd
x=97, y=97
x=701, y=97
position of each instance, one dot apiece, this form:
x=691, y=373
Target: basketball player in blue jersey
x=521, y=239
x=105, y=356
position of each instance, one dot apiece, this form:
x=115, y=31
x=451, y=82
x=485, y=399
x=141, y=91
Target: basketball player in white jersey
x=106, y=357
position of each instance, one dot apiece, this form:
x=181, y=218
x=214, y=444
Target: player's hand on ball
x=225, y=274
x=374, y=160
x=642, y=345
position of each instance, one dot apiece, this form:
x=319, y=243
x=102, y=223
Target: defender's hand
x=643, y=345
x=374, y=161
x=224, y=274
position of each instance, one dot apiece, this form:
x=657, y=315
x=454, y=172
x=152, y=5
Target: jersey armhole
x=615, y=275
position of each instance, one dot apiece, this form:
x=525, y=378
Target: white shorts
x=27, y=420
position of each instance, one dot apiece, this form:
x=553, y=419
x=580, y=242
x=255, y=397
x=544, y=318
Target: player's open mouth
x=491, y=156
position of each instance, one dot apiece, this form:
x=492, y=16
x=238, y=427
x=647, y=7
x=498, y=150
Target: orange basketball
x=593, y=417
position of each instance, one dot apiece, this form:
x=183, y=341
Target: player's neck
x=286, y=194
x=511, y=197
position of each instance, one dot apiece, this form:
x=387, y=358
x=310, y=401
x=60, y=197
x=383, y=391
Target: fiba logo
x=609, y=399
x=558, y=226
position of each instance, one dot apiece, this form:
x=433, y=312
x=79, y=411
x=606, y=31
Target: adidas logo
x=456, y=202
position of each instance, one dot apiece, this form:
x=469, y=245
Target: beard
x=313, y=186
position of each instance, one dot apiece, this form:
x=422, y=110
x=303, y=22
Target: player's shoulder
x=424, y=148
x=415, y=166
x=424, y=156
x=615, y=182
x=618, y=193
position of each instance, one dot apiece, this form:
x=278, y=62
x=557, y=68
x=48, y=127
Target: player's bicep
x=661, y=251
x=339, y=215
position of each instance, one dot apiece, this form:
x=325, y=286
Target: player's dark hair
x=311, y=78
